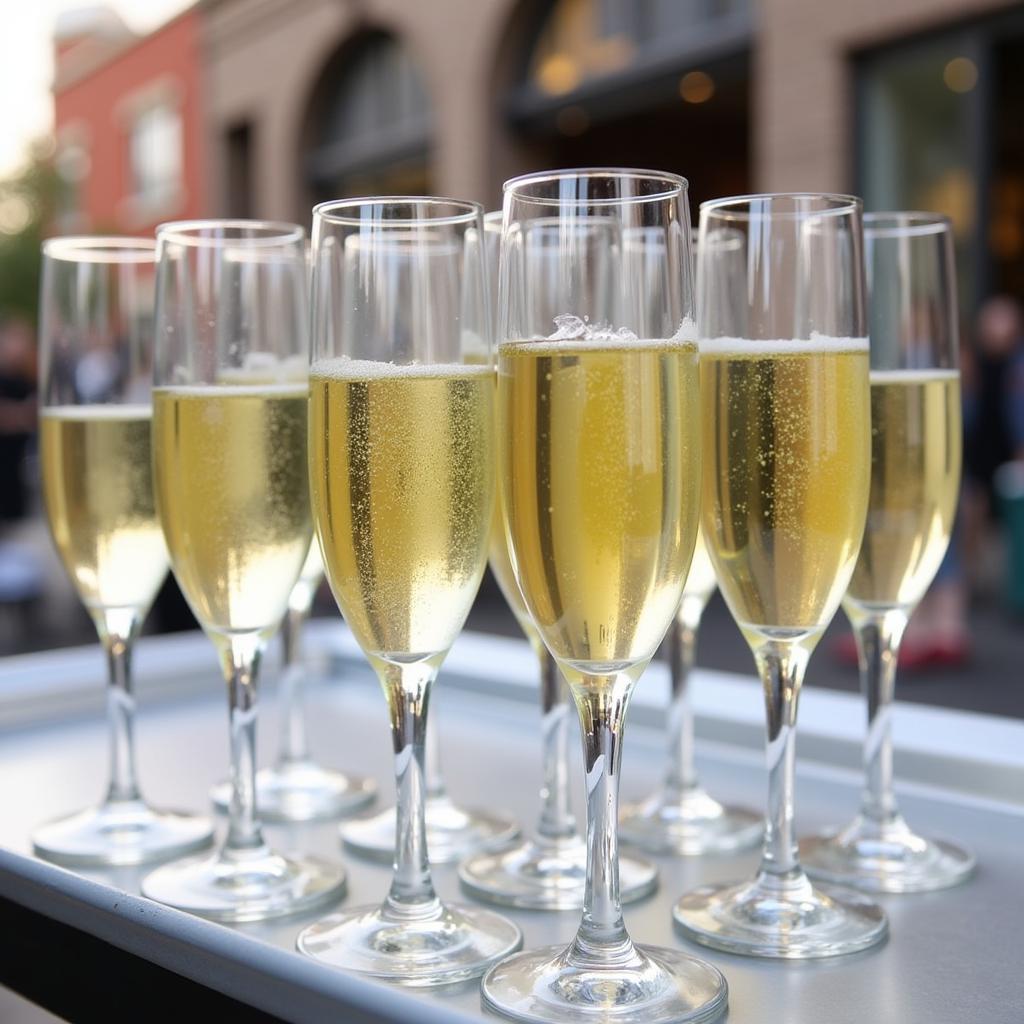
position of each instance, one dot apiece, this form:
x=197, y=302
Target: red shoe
x=844, y=650
x=918, y=652
x=935, y=651
x=951, y=651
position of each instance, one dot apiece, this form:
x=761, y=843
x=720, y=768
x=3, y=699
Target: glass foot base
x=689, y=823
x=456, y=944
x=895, y=860
x=121, y=834
x=775, y=918
x=656, y=986
x=249, y=886
x=452, y=833
x=547, y=875
x=303, y=791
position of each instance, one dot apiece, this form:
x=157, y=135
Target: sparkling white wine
x=233, y=496
x=304, y=591
x=313, y=567
x=98, y=486
x=700, y=580
x=786, y=475
x=402, y=481
x=501, y=566
x=600, y=463
x=915, y=477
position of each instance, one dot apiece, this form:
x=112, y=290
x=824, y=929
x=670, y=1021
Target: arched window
x=371, y=122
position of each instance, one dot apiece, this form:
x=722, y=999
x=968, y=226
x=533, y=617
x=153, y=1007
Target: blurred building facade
x=910, y=103
x=129, y=123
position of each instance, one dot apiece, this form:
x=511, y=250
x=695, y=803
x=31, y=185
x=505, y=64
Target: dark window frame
x=980, y=35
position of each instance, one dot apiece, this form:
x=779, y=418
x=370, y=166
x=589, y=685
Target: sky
x=26, y=65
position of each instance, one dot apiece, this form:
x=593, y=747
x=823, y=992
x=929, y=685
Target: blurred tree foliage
x=29, y=202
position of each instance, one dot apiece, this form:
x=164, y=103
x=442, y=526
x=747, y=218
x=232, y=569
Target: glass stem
x=435, y=787
x=118, y=629
x=681, y=776
x=602, y=703
x=782, y=665
x=407, y=688
x=241, y=658
x=556, y=818
x=878, y=643
x=294, y=744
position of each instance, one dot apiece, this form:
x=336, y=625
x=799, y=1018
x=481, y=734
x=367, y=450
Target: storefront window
x=606, y=77
x=939, y=129
x=582, y=40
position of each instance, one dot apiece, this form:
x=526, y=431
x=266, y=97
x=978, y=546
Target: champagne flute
x=549, y=870
x=96, y=350
x=402, y=468
x=915, y=477
x=232, y=488
x=297, y=788
x=599, y=456
x=680, y=817
x=786, y=417
x=453, y=831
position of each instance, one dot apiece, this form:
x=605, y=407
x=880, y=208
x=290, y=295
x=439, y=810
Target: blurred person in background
x=18, y=411
x=20, y=575
x=994, y=397
x=993, y=429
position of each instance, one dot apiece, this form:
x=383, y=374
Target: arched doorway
x=369, y=124
x=642, y=83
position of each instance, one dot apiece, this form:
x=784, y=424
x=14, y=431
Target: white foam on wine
x=686, y=331
x=544, y=346
x=816, y=345
x=97, y=412
x=913, y=376
x=290, y=390
x=343, y=368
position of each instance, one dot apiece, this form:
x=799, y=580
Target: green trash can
x=1009, y=485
